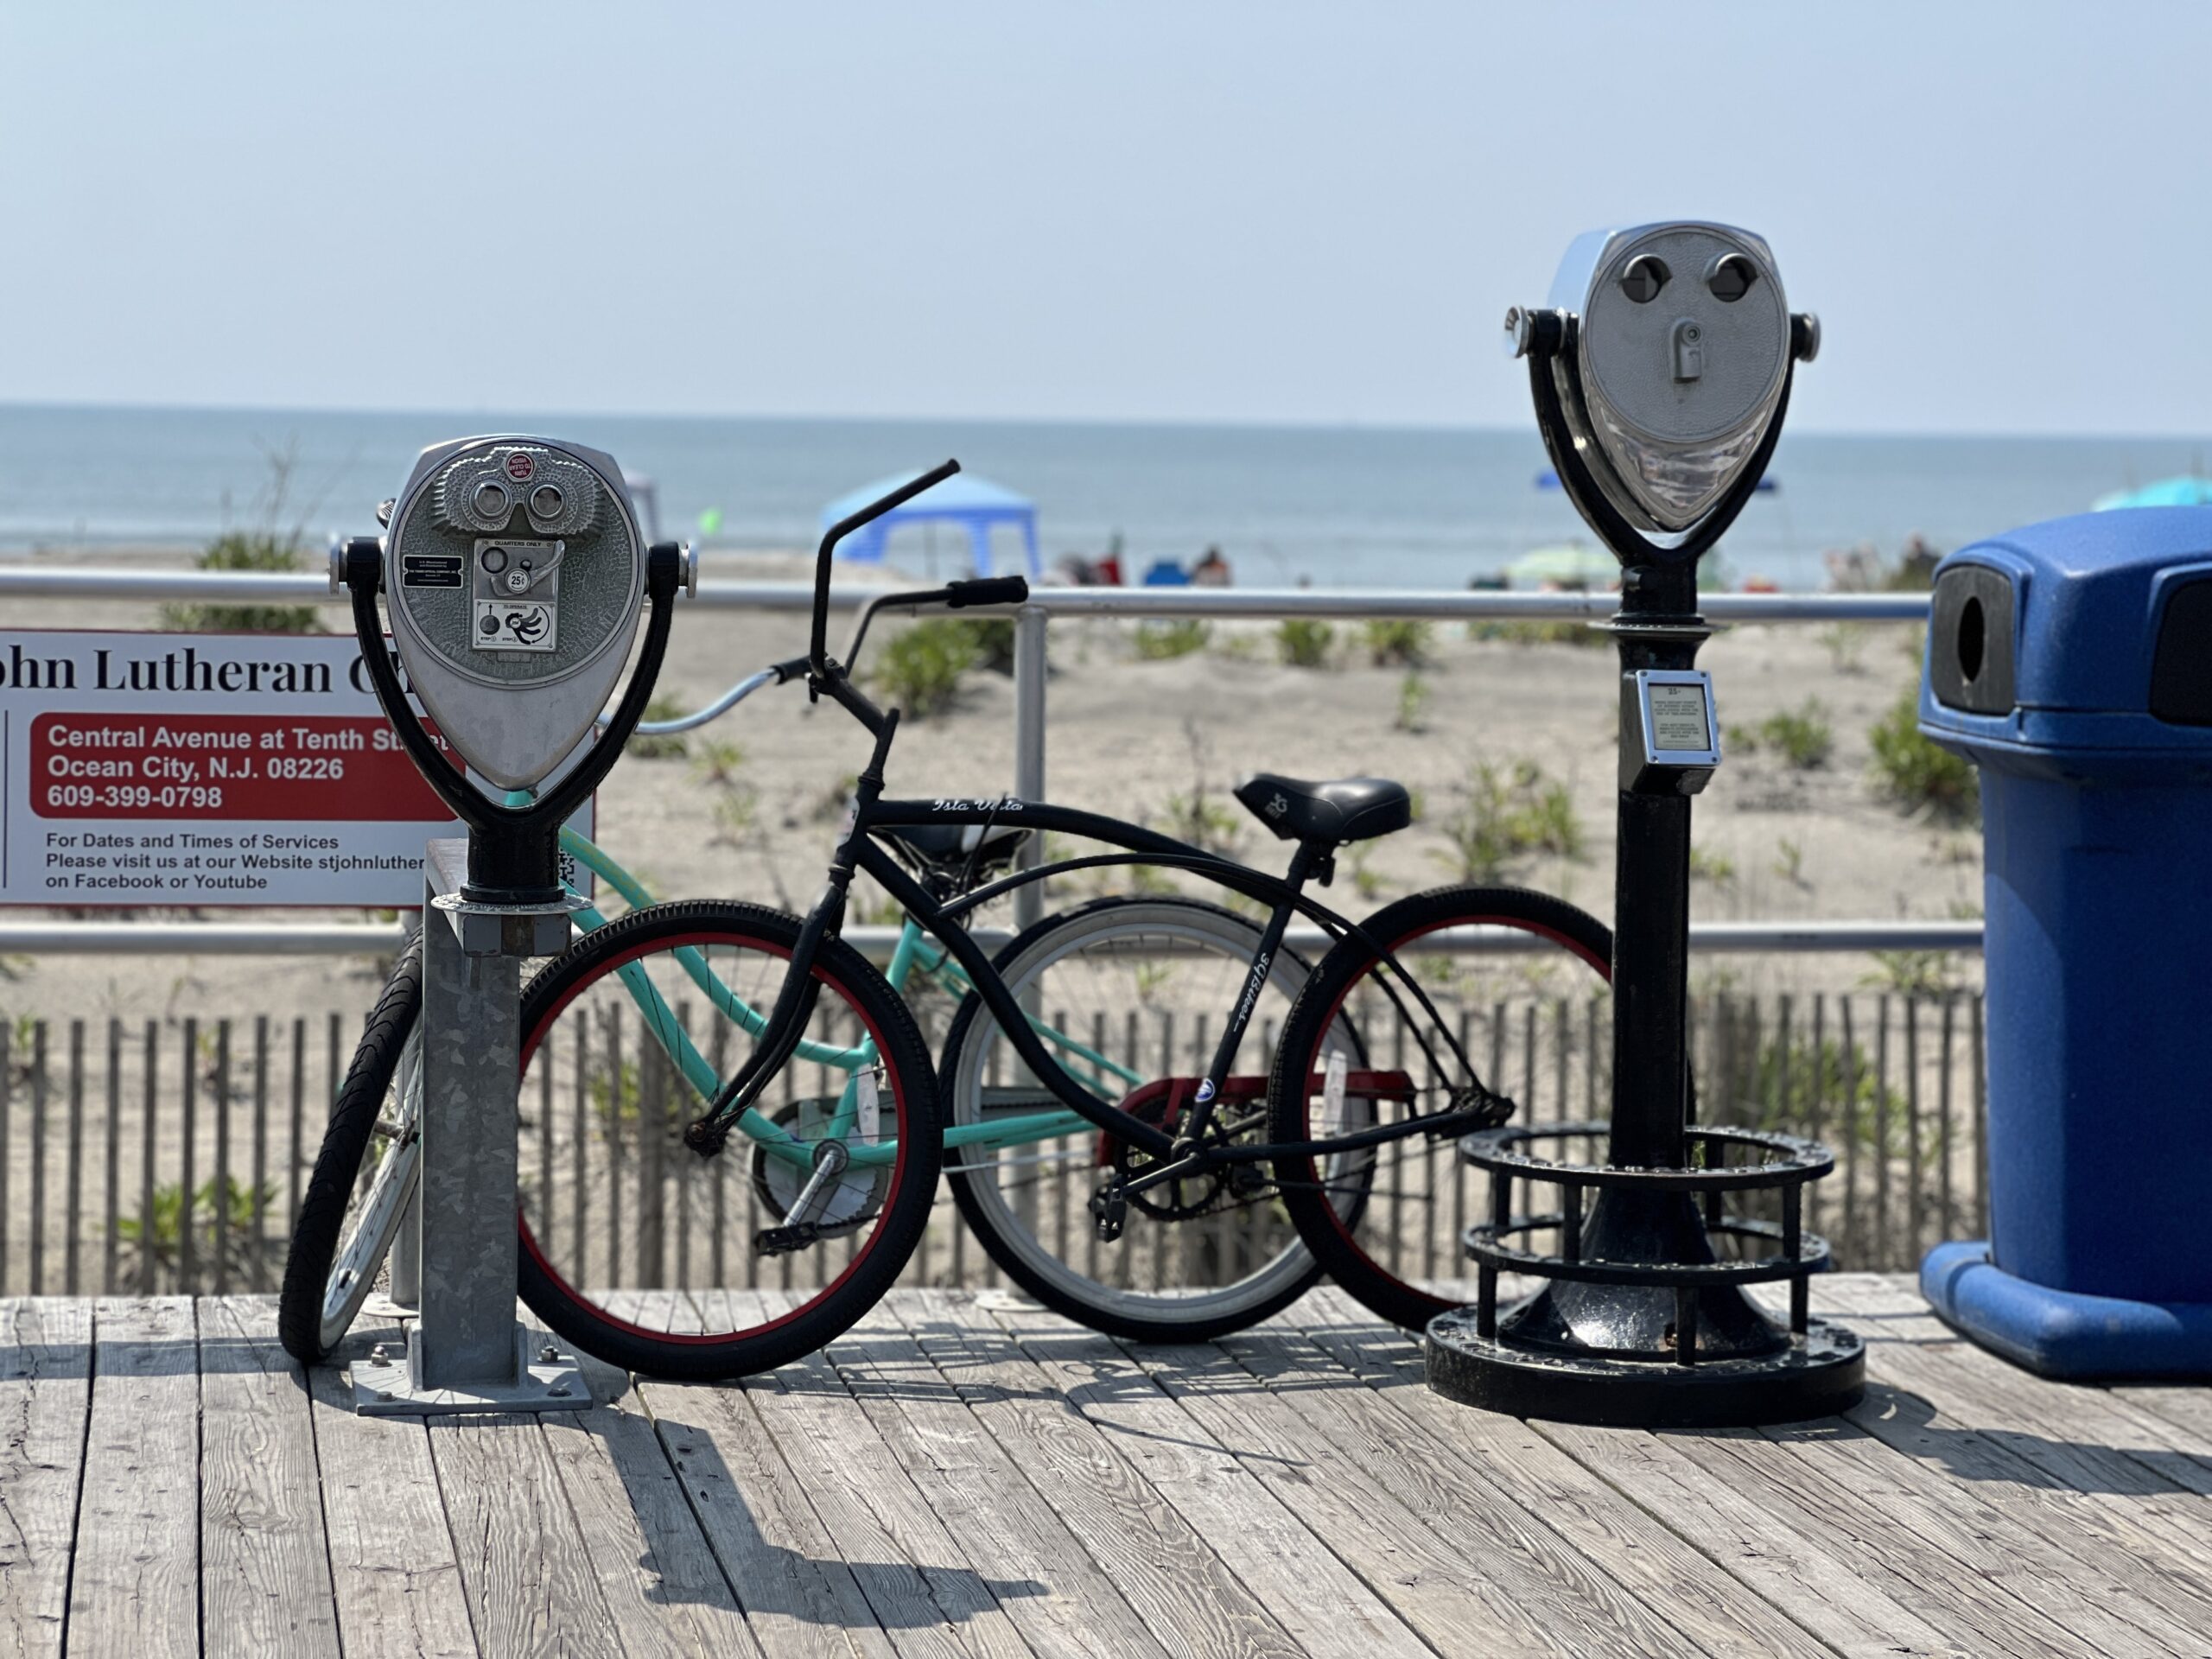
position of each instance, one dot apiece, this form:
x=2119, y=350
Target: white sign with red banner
x=206, y=769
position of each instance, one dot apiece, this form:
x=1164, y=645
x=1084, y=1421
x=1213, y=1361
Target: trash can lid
x=2090, y=600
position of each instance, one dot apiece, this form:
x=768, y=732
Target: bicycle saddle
x=1345, y=809
x=942, y=852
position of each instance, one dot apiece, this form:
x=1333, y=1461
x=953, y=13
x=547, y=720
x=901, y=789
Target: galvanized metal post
x=467, y=1351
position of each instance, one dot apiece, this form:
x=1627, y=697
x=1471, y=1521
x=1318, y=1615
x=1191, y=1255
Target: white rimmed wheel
x=346, y=1224
x=1130, y=995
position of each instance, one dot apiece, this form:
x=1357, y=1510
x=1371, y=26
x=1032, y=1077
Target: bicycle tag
x=1333, y=1095
x=868, y=1112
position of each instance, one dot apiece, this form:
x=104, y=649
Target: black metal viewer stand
x=1641, y=1320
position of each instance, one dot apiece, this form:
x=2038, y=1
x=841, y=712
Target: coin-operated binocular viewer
x=1660, y=371
x=513, y=570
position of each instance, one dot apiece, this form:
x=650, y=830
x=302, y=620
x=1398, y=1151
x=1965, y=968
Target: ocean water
x=1416, y=508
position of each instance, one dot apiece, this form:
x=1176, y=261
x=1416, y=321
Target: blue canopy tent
x=974, y=504
x=2188, y=491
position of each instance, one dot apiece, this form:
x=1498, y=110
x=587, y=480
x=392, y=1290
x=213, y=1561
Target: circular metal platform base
x=1823, y=1374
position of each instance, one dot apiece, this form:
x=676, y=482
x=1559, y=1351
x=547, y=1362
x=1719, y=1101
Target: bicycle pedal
x=1110, y=1211
x=782, y=1241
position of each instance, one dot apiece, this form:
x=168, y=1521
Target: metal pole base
x=1817, y=1375
x=546, y=1378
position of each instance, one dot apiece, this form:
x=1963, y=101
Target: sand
x=1129, y=735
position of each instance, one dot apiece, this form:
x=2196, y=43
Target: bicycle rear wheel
x=629, y=1238
x=1130, y=994
x=1398, y=1251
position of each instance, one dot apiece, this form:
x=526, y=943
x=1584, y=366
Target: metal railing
x=1032, y=623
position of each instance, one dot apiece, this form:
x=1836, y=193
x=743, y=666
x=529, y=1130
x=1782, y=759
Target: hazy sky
x=1124, y=210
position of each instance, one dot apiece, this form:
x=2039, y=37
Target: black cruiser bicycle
x=1083, y=1153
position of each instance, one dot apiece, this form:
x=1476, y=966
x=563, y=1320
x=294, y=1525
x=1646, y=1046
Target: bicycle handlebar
x=954, y=595
x=818, y=651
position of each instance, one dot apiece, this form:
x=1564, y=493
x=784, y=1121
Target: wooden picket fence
x=170, y=1154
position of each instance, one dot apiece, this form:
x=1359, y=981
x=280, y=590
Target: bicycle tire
x=309, y=1322
x=1333, y=1237
x=600, y=1330
x=1162, y=1315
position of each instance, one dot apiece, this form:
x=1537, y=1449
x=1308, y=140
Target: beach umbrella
x=2189, y=490
x=1569, y=564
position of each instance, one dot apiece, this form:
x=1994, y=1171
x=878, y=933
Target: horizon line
x=1163, y=423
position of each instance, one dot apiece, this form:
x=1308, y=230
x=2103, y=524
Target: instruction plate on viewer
x=1679, y=727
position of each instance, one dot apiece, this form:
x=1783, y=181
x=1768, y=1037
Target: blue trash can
x=2071, y=662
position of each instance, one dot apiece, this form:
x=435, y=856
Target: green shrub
x=1399, y=642
x=239, y=550
x=1803, y=737
x=164, y=1240
x=1412, y=702
x=1716, y=867
x=919, y=669
x=661, y=745
x=1539, y=633
x=994, y=643
x=1912, y=771
x=1782, y=1084
x=1505, y=815
x=1304, y=641
x=1159, y=642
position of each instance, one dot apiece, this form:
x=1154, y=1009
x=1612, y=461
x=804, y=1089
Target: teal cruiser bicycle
x=718, y=1096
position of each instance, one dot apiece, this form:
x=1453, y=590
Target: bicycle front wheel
x=346, y=1225
x=1130, y=995
x=631, y=1241
x=1395, y=1246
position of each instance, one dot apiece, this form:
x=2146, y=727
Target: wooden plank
x=655, y=1568
x=1320, y=1601
x=46, y=1395
x=264, y=1561
x=1721, y=1613
x=872, y=1507
x=799, y=1596
x=1063, y=1602
x=1470, y=1573
x=1967, y=1512
x=1164, y=1568
x=393, y=1571
x=135, y=1591
x=1980, y=1502
x=2156, y=1533
x=1784, y=1558
x=531, y=1585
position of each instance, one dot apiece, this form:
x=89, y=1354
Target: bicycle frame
x=913, y=953
x=1172, y=1155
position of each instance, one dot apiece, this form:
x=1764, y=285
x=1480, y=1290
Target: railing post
x=1029, y=626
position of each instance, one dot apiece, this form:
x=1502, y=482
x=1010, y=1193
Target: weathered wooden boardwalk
x=957, y=1478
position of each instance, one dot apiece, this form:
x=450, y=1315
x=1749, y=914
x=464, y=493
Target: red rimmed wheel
x=1385, y=1222
x=648, y=1256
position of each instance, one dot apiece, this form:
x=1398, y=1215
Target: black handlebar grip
x=989, y=590
x=790, y=669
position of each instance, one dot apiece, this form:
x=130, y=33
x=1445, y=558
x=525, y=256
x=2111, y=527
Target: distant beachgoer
x=1212, y=571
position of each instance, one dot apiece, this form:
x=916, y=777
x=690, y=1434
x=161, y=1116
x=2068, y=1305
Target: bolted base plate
x=385, y=1388
x=1822, y=1376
